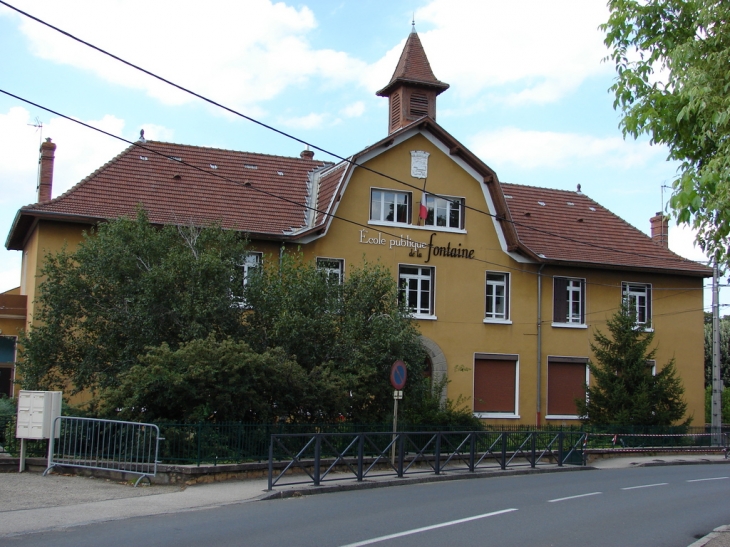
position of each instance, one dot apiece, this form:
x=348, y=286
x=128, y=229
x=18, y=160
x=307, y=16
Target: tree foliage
x=357, y=328
x=210, y=380
x=128, y=286
x=623, y=390
x=673, y=84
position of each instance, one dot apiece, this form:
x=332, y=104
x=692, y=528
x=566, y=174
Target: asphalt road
x=647, y=507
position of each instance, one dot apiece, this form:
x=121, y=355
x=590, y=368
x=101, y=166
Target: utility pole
x=716, y=423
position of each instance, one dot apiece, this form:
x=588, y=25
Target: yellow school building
x=508, y=283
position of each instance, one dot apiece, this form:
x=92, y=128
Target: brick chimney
x=306, y=154
x=660, y=229
x=45, y=178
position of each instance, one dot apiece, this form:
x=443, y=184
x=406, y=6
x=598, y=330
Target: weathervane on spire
x=413, y=22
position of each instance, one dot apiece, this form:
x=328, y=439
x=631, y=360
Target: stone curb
x=703, y=462
x=712, y=535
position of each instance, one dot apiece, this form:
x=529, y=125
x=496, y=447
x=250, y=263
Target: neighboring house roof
x=570, y=228
x=413, y=67
x=266, y=196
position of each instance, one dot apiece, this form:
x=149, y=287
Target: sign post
x=398, y=376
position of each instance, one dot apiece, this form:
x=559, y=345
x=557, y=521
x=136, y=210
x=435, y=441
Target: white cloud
x=79, y=151
x=682, y=241
x=538, y=149
x=537, y=51
x=354, y=110
x=237, y=53
x=310, y=121
x=10, y=272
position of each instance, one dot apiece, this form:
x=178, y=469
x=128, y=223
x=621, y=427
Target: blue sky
x=529, y=91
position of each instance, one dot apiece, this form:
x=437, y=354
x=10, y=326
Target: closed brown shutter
x=566, y=383
x=560, y=299
x=494, y=385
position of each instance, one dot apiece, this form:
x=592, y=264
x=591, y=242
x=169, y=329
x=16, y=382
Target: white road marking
x=574, y=497
x=645, y=486
x=711, y=479
x=427, y=528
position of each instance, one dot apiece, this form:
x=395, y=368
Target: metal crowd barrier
x=317, y=455
x=110, y=445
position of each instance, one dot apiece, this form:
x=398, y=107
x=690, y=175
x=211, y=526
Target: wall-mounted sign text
x=415, y=247
x=395, y=242
x=457, y=251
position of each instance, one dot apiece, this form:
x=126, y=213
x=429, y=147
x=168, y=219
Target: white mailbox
x=37, y=412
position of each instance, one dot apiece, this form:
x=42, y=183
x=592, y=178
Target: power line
x=325, y=151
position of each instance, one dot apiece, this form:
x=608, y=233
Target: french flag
x=423, y=213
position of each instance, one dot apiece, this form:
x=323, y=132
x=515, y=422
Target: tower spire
x=413, y=88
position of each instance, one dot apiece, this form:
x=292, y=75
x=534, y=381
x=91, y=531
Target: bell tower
x=413, y=89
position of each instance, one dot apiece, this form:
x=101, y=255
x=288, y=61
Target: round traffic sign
x=398, y=375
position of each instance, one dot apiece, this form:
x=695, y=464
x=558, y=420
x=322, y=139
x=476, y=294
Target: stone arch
x=439, y=370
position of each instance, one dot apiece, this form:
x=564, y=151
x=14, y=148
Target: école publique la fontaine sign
x=417, y=248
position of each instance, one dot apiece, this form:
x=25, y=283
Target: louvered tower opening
x=419, y=105
x=395, y=111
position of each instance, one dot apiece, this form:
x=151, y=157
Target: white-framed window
x=416, y=289
x=567, y=381
x=569, y=301
x=333, y=268
x=444, y=212
x=638, y=297
x=390, y=206
x=251, y=261
x=497, y=306
x=496, y=385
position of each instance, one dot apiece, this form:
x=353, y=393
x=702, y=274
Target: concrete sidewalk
x=31, y=503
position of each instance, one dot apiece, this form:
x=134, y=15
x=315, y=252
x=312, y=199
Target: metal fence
x=110, y=445
x=342, y=456
x=218, y=443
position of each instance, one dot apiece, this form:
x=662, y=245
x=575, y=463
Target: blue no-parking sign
x=398, y=375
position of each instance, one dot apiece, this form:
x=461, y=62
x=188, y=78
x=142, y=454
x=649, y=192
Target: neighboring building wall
x=12, y=322
x=47, y=237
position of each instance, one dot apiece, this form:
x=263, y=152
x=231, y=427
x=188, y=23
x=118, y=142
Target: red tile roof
x=413, y=67
x=271, y=196
x=570, y=228
x=240, y=190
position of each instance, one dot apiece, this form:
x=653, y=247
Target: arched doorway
x=437, y=359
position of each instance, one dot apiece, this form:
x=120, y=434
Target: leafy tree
x=211, y=380
x=671, y=59
x=623, y=390
x=356, y=329
x=130, y=285
x=725, y=405
x=724, y=351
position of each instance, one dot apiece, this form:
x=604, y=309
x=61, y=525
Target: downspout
x=539, y=343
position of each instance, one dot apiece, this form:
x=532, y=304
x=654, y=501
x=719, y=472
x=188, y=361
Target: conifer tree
x=623, y=390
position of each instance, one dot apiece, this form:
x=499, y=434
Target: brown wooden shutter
x=566, y=383
x=560, y=299
x=494, y=385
